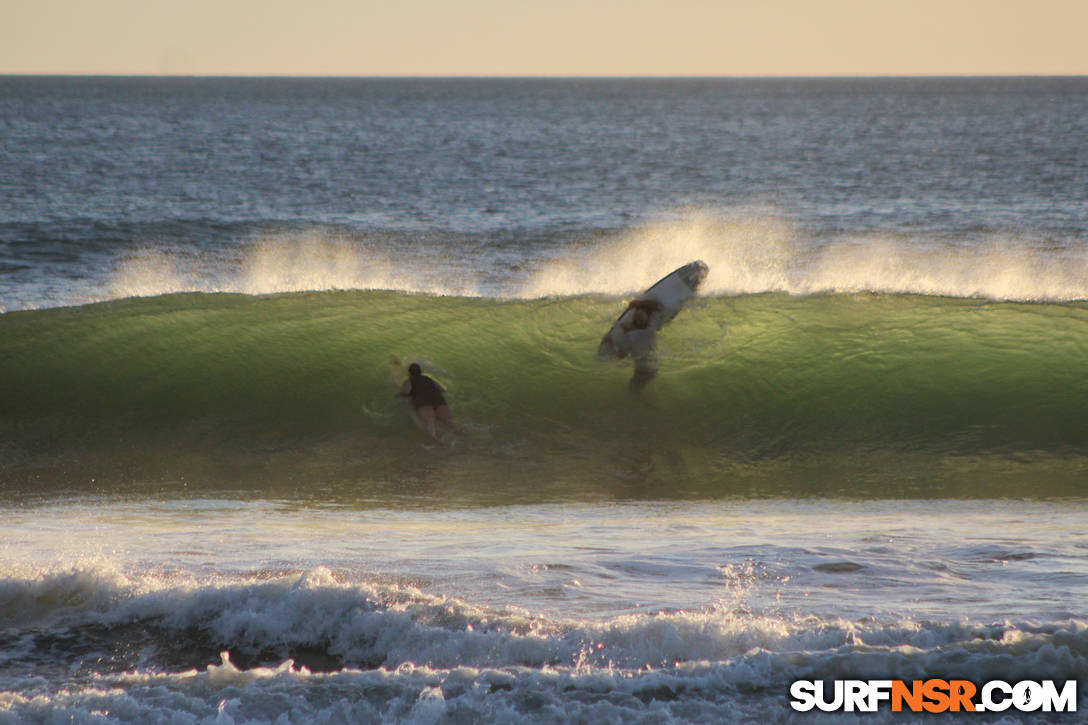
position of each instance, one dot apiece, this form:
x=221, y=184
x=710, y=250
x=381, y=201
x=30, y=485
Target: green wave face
x=857, y=395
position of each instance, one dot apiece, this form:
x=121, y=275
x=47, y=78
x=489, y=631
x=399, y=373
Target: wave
x=900, y=387
x=149, y=637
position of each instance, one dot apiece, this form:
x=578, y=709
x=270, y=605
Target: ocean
x=864, y=456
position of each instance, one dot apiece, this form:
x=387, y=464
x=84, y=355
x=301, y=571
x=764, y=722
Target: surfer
x=428, y=401
x=641, y=335
x=635, y=332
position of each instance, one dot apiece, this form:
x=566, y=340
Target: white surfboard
x=672, y=291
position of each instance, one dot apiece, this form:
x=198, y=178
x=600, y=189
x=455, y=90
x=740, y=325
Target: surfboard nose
x=697, y=272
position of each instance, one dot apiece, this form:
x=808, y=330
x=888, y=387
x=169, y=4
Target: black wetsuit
x=425, y=391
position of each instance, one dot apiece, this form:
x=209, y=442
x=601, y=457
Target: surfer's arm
x=405, y=390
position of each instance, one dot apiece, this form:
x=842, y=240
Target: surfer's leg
x=641, y=378
x=426, y=414
x=443, y=414
x=645, y=369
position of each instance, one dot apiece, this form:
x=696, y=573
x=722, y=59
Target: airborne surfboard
x=672, y=291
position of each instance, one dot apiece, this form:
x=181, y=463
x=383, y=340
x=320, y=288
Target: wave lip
x=747, y=255
x=749, y=250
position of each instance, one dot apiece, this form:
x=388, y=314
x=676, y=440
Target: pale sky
x=545, y=37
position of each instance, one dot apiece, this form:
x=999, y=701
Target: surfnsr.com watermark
x=934, y=695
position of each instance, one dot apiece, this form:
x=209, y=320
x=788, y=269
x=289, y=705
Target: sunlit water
x=864, y=455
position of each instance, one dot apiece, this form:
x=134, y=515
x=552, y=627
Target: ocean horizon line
x=603, y=77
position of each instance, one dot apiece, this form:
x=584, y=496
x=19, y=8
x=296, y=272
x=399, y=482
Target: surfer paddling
x=428, y=401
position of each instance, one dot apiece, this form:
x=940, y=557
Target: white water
x=536, y=613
